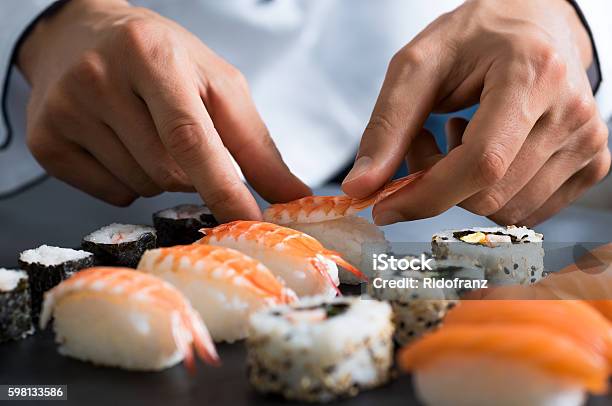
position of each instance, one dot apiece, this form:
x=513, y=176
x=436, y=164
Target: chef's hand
x=126, y=103
x=536, y=141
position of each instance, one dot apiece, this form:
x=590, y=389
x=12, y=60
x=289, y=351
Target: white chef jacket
x=315, y=68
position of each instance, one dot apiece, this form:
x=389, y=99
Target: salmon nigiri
x=124, y=318
x=575, y=319
x=224, y=285
x=602, y=306
x=297, y=258
x=502, y=365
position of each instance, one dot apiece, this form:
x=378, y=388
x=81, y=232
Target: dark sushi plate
x=35, y=361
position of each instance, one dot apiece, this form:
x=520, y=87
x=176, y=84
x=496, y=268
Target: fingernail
x=361, y=166
x=387, y=217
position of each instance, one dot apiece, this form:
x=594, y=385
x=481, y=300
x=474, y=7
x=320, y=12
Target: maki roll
x=120, y=244
x=47, y=266
x=181, y=224
x=417, y=307
x=510, y=255
x=15, y=318
x=318, y=350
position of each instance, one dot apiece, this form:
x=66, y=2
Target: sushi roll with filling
x=120, y=244
x=418, y=309
x=510, y=255
x=124, y=318
x=15, y=311
x=355, y=238
x=180, y=225
x=223, y=285
x=47, y=266
x=467, y=365
x=318, y=350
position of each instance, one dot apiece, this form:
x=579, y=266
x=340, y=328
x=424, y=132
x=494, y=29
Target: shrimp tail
x=386, y=191
x=346, y=265
x=323, y=271
x=189, y=360
x=206, y=353
x=203, y=343
x=397, y=184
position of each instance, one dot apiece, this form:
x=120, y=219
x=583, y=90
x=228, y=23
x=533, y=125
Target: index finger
x=405, y=100
x=189, y=135
x=491, y=141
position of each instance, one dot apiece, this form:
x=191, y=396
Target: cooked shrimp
x=224, y=285
x=128, y=319
x=312, y=209
x=297, y=258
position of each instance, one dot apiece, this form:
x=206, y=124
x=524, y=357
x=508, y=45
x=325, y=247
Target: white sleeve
x=598, y=16
x=16, y=16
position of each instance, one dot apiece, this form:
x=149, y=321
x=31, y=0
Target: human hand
x=536, y=141
x=126, y=103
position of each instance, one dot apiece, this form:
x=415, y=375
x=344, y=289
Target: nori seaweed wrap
x=15, y=310
x=120, y=244
x=180, y=225
x=47, y=266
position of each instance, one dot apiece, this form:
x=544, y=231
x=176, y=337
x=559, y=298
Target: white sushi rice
x=470, y=380
x=9, y=279
x=355, y=238
x=519, y=262
x=51, y=256
x=301, y=353
x=118, y=233
x=185, y=211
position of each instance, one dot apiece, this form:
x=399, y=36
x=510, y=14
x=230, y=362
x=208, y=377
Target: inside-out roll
x=318, y=350
x=510, y=255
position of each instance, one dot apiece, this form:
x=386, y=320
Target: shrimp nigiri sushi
x=333, y=221
x=572, y=318
x=502, y=365
x=298, y=259
x=223, y=285
x=124, y=318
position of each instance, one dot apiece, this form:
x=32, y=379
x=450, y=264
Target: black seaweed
x=331, y=309
x=123, y=254
x=42, y=278
x=181, y=231
x=15, y=312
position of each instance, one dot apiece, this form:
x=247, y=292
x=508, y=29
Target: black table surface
x=54, y=214
x=35, y=360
